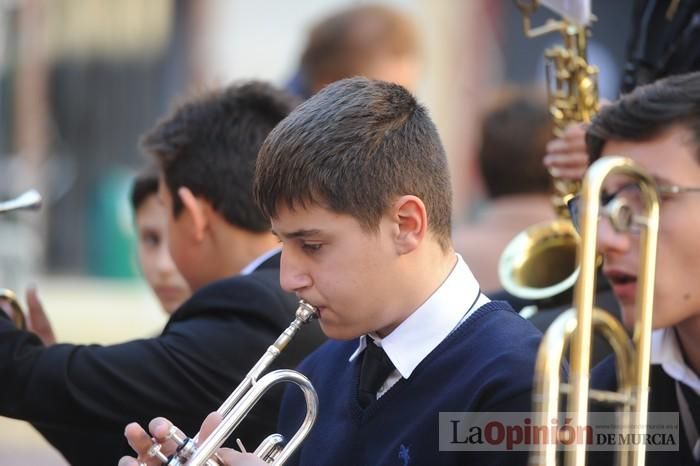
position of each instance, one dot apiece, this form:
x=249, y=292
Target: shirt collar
x=428, y=325
x=255, y=263
x=666, y=351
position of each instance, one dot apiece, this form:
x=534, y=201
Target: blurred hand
x=38, y=322
x=566, y=156
x=159, y=427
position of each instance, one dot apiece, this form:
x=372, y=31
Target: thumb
x=210, y=423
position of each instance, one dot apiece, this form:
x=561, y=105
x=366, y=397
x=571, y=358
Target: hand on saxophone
x=566, y=156
x=141, y=442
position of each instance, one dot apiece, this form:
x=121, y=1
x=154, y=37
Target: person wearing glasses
x=658, y=127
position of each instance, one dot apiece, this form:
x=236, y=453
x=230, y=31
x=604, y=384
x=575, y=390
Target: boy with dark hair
x=80, y=397
x=151, y=224
x=356, y=184
x=207, y=176
x=658, y=127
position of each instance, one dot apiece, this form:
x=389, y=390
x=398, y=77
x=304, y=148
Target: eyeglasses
x=625, y=206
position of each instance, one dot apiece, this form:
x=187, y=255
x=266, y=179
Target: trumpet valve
x=179, y=439
x=154, y=452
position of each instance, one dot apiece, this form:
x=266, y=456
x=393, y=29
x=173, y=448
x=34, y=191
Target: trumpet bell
x=540, y=262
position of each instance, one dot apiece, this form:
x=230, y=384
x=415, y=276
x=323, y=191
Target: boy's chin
x=339, y=332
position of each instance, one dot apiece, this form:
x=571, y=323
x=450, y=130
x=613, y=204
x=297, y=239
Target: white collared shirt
x=417, y=336
x=255, y=263
x=666, y=351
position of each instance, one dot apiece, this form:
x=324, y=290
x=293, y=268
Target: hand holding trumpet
x=203, y=448
x=160, y=428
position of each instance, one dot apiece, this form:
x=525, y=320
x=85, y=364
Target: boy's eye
x=311, y=247
x=150, y=239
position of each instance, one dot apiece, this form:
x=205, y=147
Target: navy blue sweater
x=486, y=364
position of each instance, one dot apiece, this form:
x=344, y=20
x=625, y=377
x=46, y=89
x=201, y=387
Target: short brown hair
x=339, y=45
x=514, y=136
x=209, y=144
x=648, y=111
x=354, y=148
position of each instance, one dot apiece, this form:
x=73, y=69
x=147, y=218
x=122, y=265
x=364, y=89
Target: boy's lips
x=624, y=284
x=321, y=310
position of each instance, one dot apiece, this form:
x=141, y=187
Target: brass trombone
x=577, y=324
x=241, y=401
x=29, y=200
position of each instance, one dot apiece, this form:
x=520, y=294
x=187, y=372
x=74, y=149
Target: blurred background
x=80, y=81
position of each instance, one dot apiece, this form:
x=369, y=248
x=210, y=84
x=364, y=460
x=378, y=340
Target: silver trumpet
x=29, y=200
x=273, y=449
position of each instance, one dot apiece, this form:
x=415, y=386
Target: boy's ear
x=196, y=210
x=411, y=221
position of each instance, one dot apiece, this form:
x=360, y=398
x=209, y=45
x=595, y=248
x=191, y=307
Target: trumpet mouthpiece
x=306, y=312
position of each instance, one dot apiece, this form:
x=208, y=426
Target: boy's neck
x=423, y=275
x=688, y=333
x=233, y=248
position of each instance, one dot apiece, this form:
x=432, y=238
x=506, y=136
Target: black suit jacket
x=81, y=397
x=548, y=312
x=662, y=398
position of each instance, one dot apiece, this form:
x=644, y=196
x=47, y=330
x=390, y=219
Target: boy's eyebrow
x=297, y=233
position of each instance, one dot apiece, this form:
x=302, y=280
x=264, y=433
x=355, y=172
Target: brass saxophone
x=540, y=262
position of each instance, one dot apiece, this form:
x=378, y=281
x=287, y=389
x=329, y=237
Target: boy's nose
x=293, y=277
x=609, y=240
x=164, y=261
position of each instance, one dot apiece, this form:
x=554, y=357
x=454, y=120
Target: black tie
x=376, y=367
